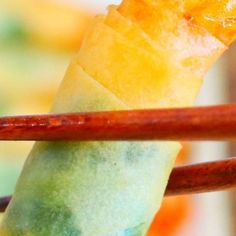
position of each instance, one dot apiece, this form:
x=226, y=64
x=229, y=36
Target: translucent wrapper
x=89, y=188
x=143, y=54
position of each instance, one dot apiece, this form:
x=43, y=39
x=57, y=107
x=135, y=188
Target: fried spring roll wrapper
x=143, y=54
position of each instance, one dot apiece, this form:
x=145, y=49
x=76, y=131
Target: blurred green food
x=12, y=29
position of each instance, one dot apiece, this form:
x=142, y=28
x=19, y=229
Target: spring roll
x=142, y=54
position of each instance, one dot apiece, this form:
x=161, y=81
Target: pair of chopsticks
x=200, y=123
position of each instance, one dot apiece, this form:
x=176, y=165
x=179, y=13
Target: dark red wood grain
x=201, y=123
x=190, y=179
x=202, y=177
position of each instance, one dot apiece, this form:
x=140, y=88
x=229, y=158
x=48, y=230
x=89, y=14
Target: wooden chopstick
x=4, y=201
x=191, y=179
x=202, y=177
x=200, y=123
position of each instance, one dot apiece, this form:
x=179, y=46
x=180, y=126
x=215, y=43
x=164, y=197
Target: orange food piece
x=174, y=54
x=218, y=17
